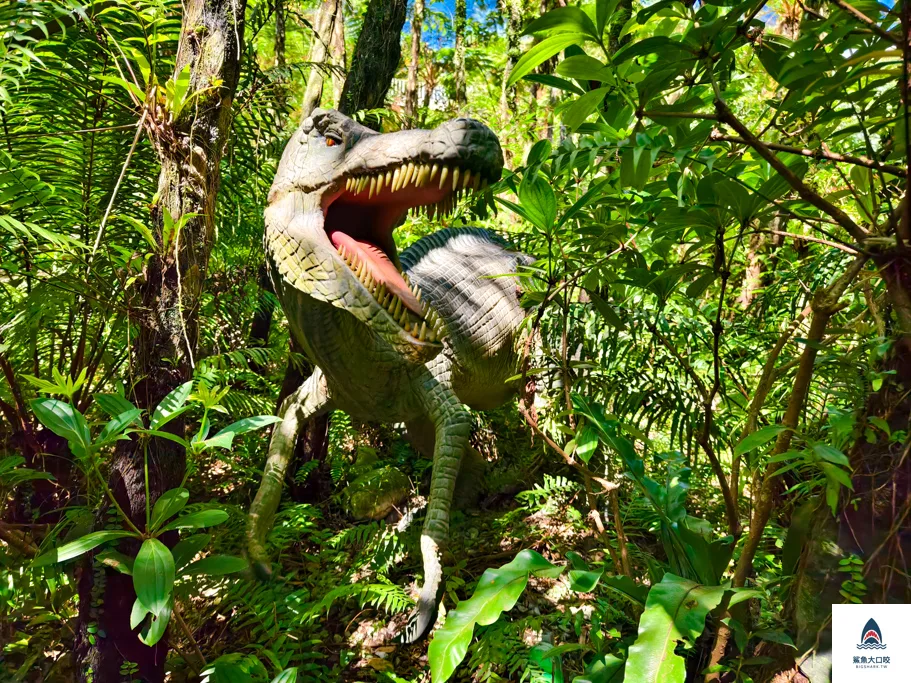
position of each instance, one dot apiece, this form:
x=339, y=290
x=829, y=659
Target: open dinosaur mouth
x=361, y=217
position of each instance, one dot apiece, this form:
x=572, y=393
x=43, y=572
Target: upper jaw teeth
x=427, y=328
x=414, y=175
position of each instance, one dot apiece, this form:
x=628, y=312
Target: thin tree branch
x=860, y=16
x=725, y=115
x=819, y=154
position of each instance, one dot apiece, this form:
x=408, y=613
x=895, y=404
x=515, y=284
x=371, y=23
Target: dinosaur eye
x=332, y=141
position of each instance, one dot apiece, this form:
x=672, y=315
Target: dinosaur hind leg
x=453, y=425
x=467, y=493
x=310, y=400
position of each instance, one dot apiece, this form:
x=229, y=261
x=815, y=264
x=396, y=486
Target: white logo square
x=871, y=643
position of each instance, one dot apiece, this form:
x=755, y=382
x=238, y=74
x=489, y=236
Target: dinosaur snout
x=468, y=143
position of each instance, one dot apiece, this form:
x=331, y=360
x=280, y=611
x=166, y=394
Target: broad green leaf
x=117, y=561
x=225, y=437
x=564, y=19
x=138, y=613
x=575, y=114
x=832, y=455
x=156, y=625
x=198, y=520
x=62, y=419
x=742, y=594
x=758, y=438
x=538, y=199
x=603, y=669
x=497, y=592
x=584, y=68
x=114, y=428
x=171, y=405
x=675, y=610
x=584, y=581
x=541, y=52
x=216, y=565
x=586, y=442
x=775, y=637
x=604, y=10
x=186, y=550
x=169, y=504
x=286, y=676
x=533, y=563
x=113, y=404
x=79, y=546
x=153, y=575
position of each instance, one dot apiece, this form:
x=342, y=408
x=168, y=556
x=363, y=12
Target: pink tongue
x=380, y=266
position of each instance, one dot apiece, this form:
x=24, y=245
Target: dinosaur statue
x=413, y=338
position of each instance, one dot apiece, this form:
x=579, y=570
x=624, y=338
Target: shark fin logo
x=872, y=637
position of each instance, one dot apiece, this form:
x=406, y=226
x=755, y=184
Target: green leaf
x=198, y=520
x=138, y=613
x=742, y=594
x=113, y=404
x=776, y=637
x=169, y=504
x=832, y=455
x=154, y=629
x=216, y=565
x=584, y=581
x=675, y=610
x=586, y=441
x=533, y=563
x=497, y=592
x=564, y=19
x=541, y=52
x=604, y=10
x=114, y=428
x=187, y=549
x=575, y=114
x=225, y=437
x=153, y=575
x=758, y=438
x=603, y=669
x=836, y=474
x=62, y=419
x=287, y=676
x=584, y=68
x=79, y=546
x=171, y=405
x=117, y=561
x=538, y=199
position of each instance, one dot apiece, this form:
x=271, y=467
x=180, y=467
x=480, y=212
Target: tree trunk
x=513, y=20
x=166, y=313
x=459, y=55
x=411, y=88
x=338, y=52
x=376, y=58
x=319, y=49
x=279, y=32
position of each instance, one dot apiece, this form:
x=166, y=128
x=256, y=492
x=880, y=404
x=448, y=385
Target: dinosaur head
x=341, y=190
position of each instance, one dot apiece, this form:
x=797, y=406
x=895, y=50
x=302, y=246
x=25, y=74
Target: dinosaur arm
x=310, y=400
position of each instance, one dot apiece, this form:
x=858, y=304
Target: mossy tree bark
x=376, y=58
x=190, y=149
x=411, y=88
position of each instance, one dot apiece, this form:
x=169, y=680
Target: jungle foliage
x=719, y=341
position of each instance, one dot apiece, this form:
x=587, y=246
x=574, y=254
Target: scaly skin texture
x=369, y=365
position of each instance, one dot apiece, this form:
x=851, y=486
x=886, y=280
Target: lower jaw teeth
x=429, y=328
